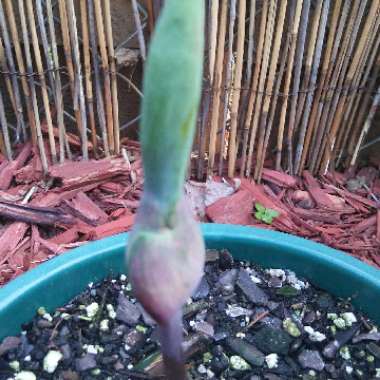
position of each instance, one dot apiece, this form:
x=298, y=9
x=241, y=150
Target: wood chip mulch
x=81, y=201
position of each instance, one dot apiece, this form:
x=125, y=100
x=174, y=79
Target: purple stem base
x=171, y=337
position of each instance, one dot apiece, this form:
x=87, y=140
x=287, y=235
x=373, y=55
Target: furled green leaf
x=172, y=90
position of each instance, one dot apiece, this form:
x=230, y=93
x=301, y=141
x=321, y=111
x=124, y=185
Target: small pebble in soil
x=242, y=323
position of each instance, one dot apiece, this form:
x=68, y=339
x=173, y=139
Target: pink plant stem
x=171, y=337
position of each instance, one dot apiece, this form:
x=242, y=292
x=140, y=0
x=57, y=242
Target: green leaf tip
x=172, y=92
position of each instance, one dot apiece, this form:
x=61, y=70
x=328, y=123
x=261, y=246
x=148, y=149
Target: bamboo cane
x=7, y=76
x=334, y=34
x=312, y=83
x=330, y=81
x=213, y=25
x=98, y=89
x=11, y=64
x=106, y=76
x=69, y=63
x=63, y=141
x=140, y=33
x=29, y=70
x=218, y=76
x=368, y=60
x=235, y=94
x=4, y=129
x=311, y=46
x=255, y=81
x=249, y=71
x=87, y=72
x=362, y=115
x=340, y=74
x=268, y=97
x=45, y=46
x=78, y=77
x=21, y=67
x=288, y=78
x=261, y=87
x=348, y=82
x=284, y=61
x=111, y=51
x=50, y=71
x=367, y=125
x=227, y=92
x=45, y=96
x=296, y=84
x=251, y=41
x=358, y=117
x=151, y=18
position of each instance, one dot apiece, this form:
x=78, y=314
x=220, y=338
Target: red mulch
x=83, y=201
x=323, y=210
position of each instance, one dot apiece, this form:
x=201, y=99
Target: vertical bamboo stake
x=112, y=59
x=16, y=91
x=227, y=92
x=362, y=103
x=98, y=89
x=312, y=83
x=214, y=9
x=268, y=97
x=277, y=95
x=255, y=80
x=4, y=129
x=45, y=46
x=50, y=69
x=348, y=81
x=69, y=63
x=251, y=41
x=311, y=46
x=330, y=81
x=263, y=75
x=218, y=76
x=21, y=67
x=232, y=153
x=296, y=84
x=7, y=76
x=87, y=73
x=29, y=69
x=45, y=96
x=105, y=69
x=78, y=75
x=367, y=125
x=368, y=60
x=58, y=87
x=151, y=18
x=288, y=78
x=140, y=32
x=334, y=34
x=361, y=117
x=249, y=71
x=339, y=75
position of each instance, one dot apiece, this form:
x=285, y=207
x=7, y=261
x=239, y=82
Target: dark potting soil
x=243, y=322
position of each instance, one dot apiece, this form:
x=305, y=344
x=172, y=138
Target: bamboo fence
x=290, y=84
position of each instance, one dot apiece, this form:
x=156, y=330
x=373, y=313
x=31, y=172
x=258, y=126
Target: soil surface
x=243, y=322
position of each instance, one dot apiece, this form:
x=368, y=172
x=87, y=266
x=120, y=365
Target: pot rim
x=69, y=274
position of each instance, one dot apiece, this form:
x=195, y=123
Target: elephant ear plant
x=165, y=255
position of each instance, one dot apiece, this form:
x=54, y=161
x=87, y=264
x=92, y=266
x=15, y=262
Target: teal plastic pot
x=54, y=283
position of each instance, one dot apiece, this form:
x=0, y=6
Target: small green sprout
x=265, y=215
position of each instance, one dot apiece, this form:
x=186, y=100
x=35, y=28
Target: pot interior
x=54, y=283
